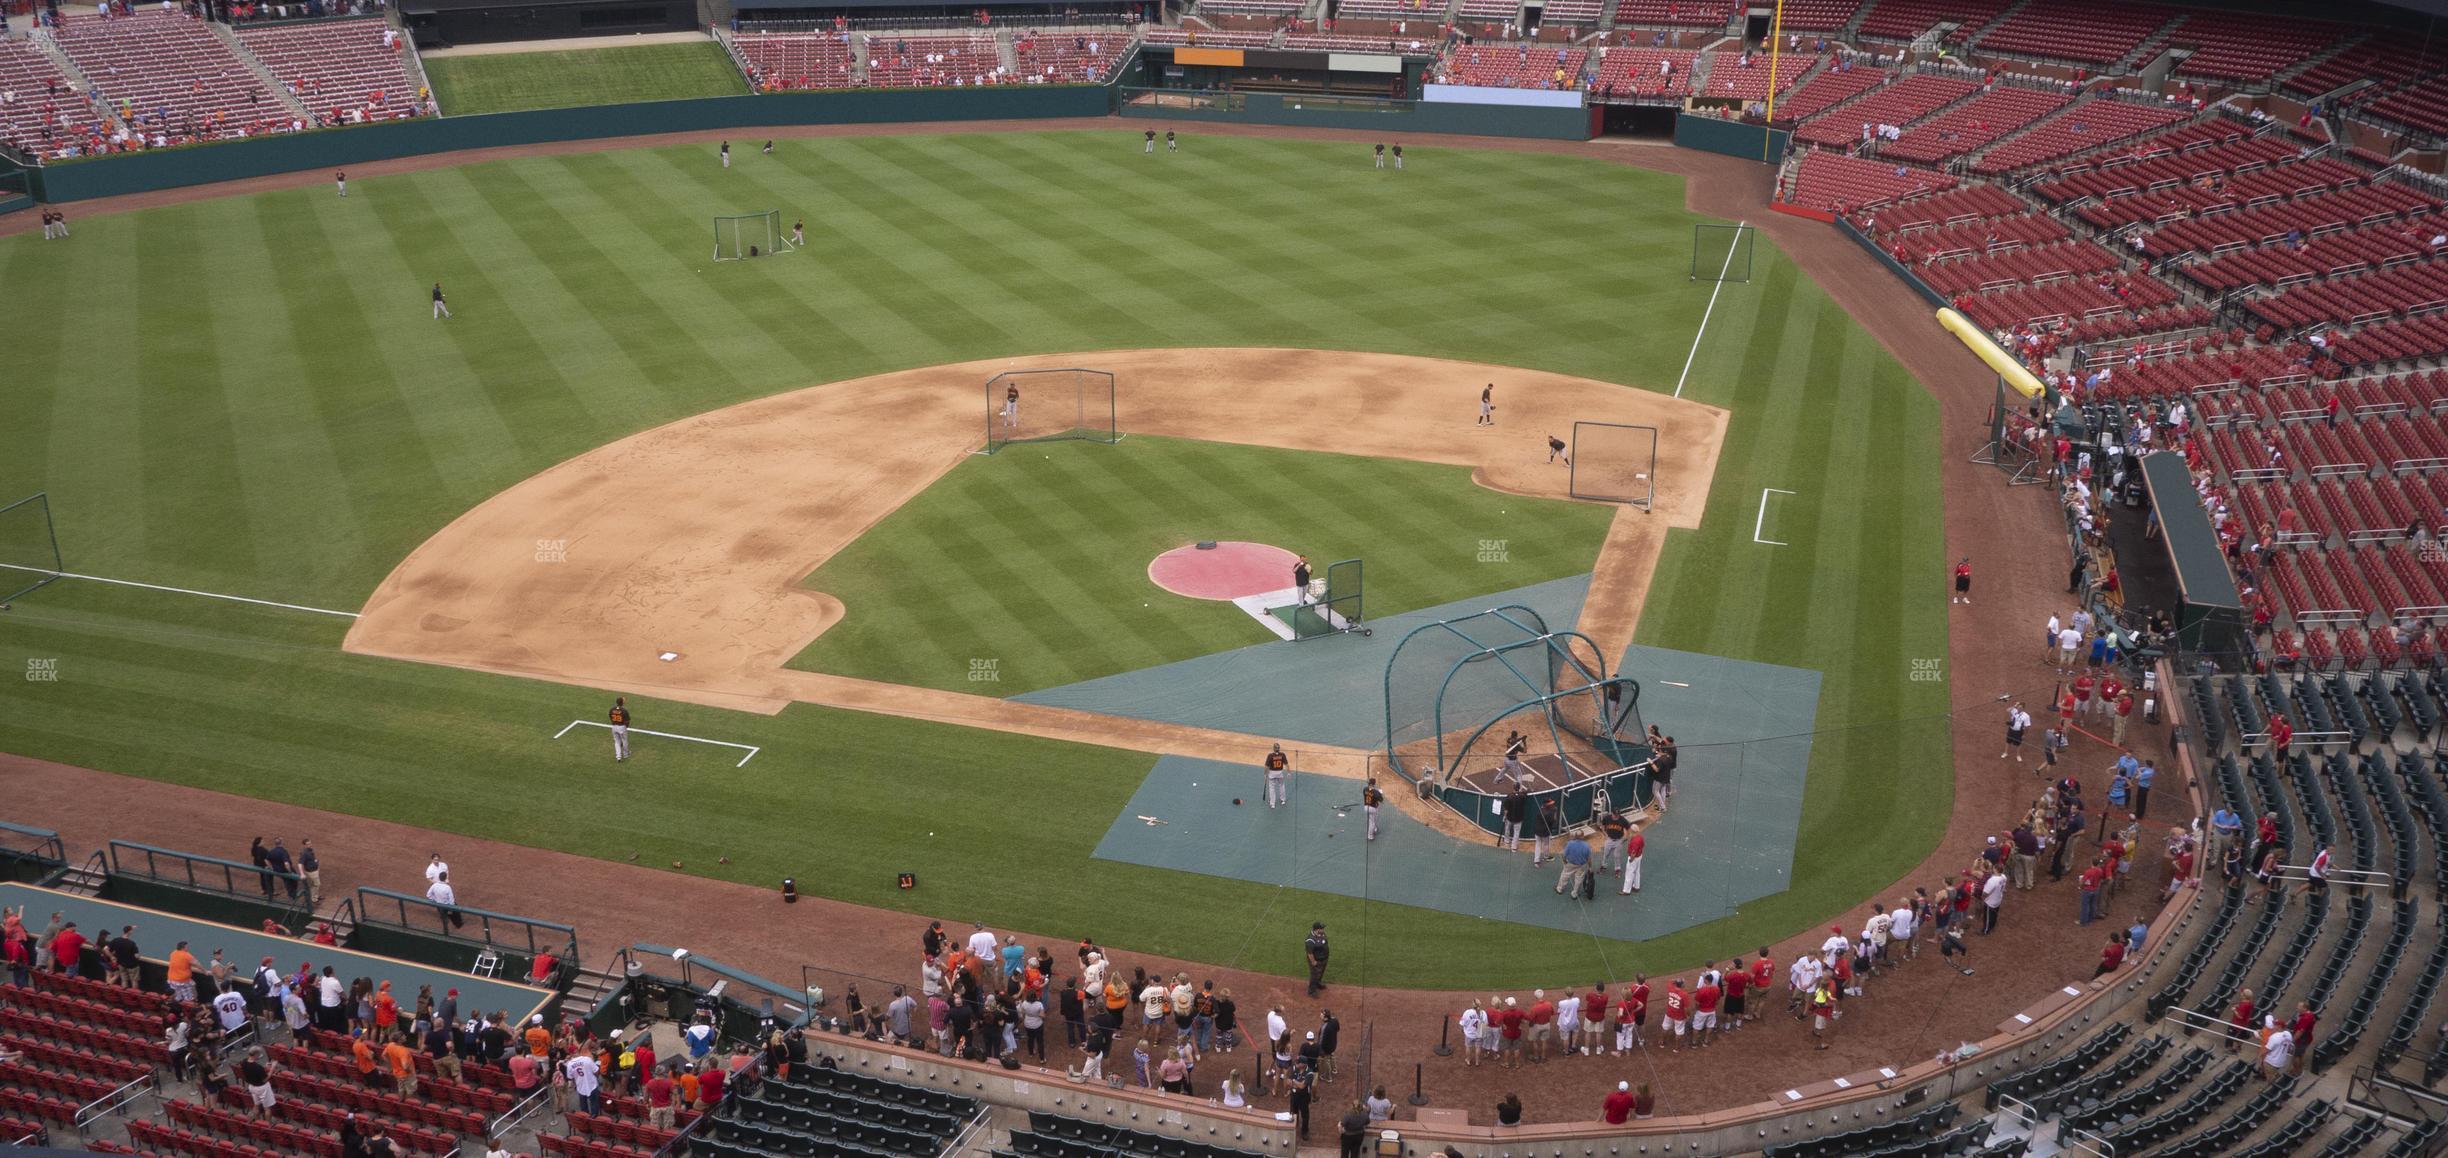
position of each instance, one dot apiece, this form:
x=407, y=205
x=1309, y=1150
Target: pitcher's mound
x=1230, y=570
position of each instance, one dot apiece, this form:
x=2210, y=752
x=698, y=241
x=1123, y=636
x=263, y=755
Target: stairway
x=280, y=91
x=1007, y=56
x=43, y=42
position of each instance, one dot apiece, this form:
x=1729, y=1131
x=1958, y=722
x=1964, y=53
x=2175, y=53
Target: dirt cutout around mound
x=690, y=540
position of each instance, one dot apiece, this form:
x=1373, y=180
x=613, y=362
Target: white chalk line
x=751, y=748
x=1712, y=308
x=1760, y=524
x=182, y=591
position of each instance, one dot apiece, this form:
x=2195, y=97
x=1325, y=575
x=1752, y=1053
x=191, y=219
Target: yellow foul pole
x=1776, y=46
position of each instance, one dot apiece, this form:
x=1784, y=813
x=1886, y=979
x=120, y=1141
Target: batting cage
x=1615, y=462
x=29, y=547
x=1462, y=694
x=1721, y=252
x=1046, y=405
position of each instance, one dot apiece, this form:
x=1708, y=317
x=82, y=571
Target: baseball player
x=798, y=234
x=1487, y=405
x=620, y=728
x=1381, y=154
x=1370, y=798
x=726, y=154
x=1398, y=156
x=1011, y=405
x=441, y=308
x=1300, y=577
x=340, y=178
x=1278, y=769
x=1150, y=148
x=1172, y=143
x=1555, y=450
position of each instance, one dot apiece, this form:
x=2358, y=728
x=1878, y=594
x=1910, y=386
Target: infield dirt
x=690, y=540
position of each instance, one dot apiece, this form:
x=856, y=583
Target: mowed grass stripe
x=382, y=455
x=203, y=520
x=762, y=317
x=287, y=464
x=392, y=337
x=611, y=308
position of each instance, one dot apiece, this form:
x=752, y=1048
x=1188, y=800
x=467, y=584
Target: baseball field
x=249, y=396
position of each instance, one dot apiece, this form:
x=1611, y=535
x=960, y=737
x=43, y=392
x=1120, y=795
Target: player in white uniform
x=1011, y=406
x=620, y=728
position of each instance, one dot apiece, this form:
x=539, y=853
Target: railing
x=381, y=911
x=500, y=1126
x=250, y=886
x=111, y=1103
x=46, y=857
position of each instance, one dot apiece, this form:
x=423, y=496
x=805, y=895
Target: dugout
x=2210, y=610
x=440, y=23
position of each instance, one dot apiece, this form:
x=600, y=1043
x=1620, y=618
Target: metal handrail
x=518, y=1112
x=111, y=1102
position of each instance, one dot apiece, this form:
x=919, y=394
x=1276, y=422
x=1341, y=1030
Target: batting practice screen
x=1721, y=252
x=1044, y=405
x=29, y=550
x=1615, y=462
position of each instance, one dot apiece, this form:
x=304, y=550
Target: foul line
x=182, y=591
x=752, y=749
x=1760, y=524
x=1712, y=308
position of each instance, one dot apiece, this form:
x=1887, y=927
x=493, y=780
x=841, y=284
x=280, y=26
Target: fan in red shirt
x=1678, y=1014
x=1632, y=1015
x=2082, y=693
x=1737, y=985
x=2281, y=734
x=1593, y=1019
x=2245, y=1027
x=68, y=949
x=1542, y=1027
x=1618, y=1104
x=1763, y=976
x=2110, y=957
x=1704, y=1011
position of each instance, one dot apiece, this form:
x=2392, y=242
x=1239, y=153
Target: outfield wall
x=126, y=173
x=1363, y=114
x=1732, y=138
x=339, y=148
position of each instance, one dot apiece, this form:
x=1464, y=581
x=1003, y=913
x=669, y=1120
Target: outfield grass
x=509, y=82
x=1038, y=556
x=288, y=423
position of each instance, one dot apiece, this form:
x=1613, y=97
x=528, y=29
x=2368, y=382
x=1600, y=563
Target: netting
x=1614, y=462
x=1721, y=252
x=29, y=549
x=1459, y=690
x=1044, y=405
x=748, y=235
